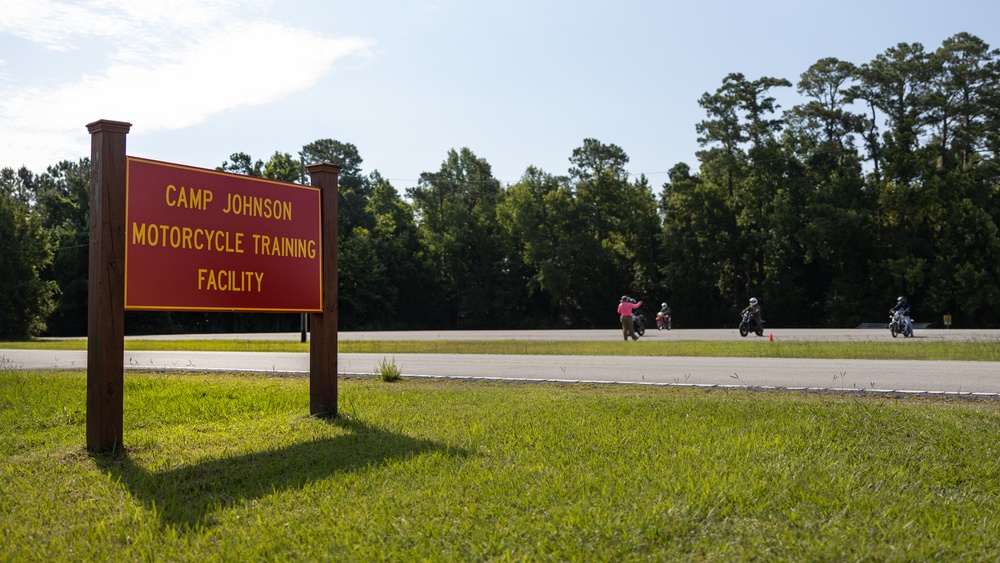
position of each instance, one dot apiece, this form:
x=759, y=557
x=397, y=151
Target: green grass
x=981, y=350
x=229, y=467
x=388, y=371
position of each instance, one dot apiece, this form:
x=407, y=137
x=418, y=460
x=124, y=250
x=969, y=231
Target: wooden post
x=323, y=326
x=106, y=285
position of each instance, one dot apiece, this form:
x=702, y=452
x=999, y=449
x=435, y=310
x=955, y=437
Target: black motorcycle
x=897, y=324
x=750, y=323
x=638, y=322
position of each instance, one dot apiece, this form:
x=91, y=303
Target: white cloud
x=172, y=64
x=57, y=25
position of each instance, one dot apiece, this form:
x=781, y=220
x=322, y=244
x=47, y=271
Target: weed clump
x=388, y=371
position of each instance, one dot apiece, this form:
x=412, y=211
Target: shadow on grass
x=190, y=496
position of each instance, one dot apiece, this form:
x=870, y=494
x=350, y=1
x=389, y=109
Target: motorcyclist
x=638, y=319
x=754, y=309
x=904, y=309
x=663, y=317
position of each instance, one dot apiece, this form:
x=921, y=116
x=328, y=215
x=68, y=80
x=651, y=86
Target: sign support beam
x=106, y=285
x=323, y=326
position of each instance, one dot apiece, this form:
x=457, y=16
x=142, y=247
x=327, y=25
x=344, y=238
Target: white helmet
x=663, y=305
x=753, y=300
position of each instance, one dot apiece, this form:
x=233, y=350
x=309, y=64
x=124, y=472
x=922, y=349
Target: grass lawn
x=230, y=467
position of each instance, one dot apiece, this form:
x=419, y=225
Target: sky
x=519, y=82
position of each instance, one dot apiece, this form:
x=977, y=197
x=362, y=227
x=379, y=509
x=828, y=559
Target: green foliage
x=883, y=181
x=344, y=155
x=388, y=371
x=364, y=292
x=352, y=188
x=457, y=227
x=62, y=196
x=615, y=224
x=18, y=185
x=403, y=300
x=242, y=163
x=25, y=250
x=825, y=239
x=584, y=241
x=537, y=217
x=383, y=279
x=282, y=167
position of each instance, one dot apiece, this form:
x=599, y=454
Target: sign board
x=203, y=240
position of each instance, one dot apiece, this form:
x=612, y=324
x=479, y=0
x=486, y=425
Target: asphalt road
x=791, y=334
x=980, y=379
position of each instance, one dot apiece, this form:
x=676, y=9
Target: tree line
x=883, y=181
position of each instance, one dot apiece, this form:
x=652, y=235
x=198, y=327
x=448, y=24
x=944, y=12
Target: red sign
x=201, y=240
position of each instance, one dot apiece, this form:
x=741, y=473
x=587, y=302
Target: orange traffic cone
x=770, y=337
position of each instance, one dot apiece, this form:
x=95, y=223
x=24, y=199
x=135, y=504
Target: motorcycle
x=663, y=321
x=638, y=322
x=749, y=323
x=898, y=325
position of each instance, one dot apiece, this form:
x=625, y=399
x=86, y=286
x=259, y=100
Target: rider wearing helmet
x=754, y=308
x=904, y=309
x=663, y=317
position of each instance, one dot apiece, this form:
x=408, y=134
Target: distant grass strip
x=230, y=467
x=986, y=351
x=911, y=350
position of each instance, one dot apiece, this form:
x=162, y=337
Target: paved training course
x=979, y=379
